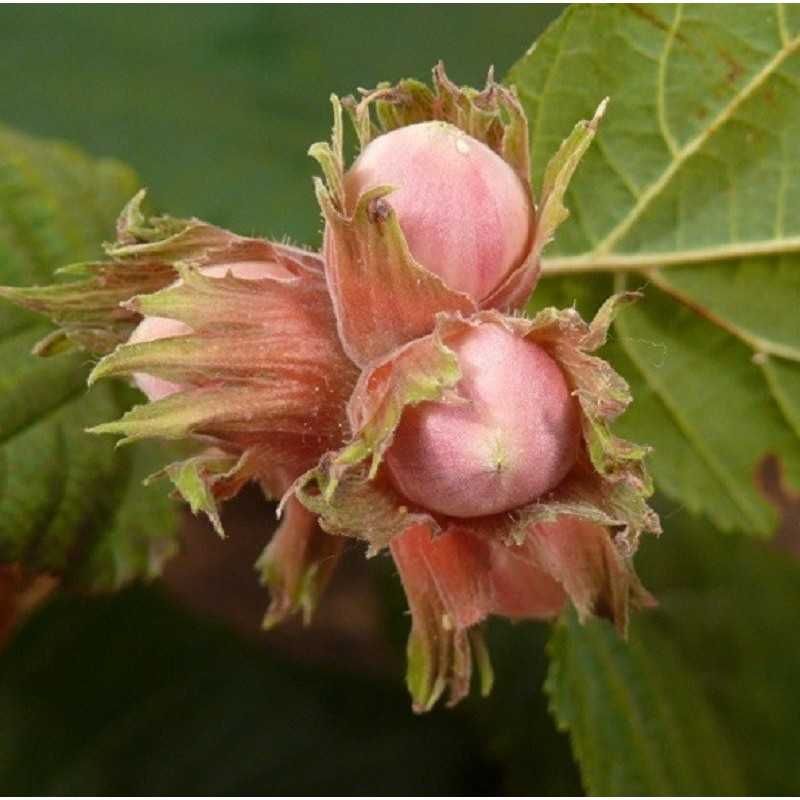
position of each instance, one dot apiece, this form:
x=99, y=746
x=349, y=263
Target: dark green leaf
x=702, y=699
x=639, y=724
x=68, y=503
x=729, y=606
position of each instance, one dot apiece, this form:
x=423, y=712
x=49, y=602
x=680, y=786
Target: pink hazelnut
x=148, y=330
x=152, y=328
x=465, y=213
x=513, y=440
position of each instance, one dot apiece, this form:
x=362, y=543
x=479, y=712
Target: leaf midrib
x=699, y=256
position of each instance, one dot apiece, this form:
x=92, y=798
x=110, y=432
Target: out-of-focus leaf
x=216, y=107
x=638, y=722
x=703, y=698
x=131, y=696
x=688, y=189
x=730, y=608
x=69, y=504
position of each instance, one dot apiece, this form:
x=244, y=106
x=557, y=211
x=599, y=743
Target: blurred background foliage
x=215, y=107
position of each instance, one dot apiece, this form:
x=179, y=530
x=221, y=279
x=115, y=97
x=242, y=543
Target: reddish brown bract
x=390, y=391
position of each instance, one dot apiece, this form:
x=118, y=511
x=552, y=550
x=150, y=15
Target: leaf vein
x=629, y=710
x=690, y=148
x=715, y=468
x=617, y=170
x=663, y=123
x=758, y=344
x=792, y=420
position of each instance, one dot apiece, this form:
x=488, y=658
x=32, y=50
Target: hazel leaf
x=68, y=505
x=687, y=193
x=638, y=726
x=623, y=702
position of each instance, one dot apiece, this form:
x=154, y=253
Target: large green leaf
x=639, y=724
x=703, y=699
x=688, y=191
x=730, y=607
x=130, y=696
x=68, y=503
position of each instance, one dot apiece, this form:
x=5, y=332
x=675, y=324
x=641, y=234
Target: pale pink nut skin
x=465, y=213
x=514, y=440
x=152, y=328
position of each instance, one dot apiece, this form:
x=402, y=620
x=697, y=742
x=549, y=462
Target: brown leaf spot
x=768, y=93
x=734, y=68
x=646, y=14
x=770, y=480
x=20, y=593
